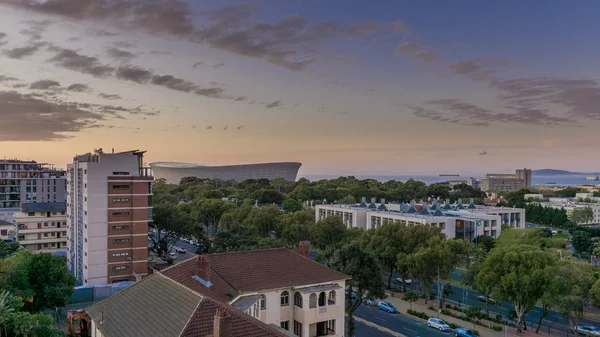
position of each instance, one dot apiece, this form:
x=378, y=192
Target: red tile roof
x=253, y=271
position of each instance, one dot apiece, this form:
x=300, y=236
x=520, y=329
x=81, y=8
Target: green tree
x=485, y=242
x=413, y=238
x=595, y=294
x=209, y=212
x=170, y=222
x=582, y=215
x=386, y=243
x=6, y=309
x=295, y=227
x=582, y=242
x=485, y=284
x=6, y=249
x=521, y=275
x=347, y=200
x=291, y=205
x=363, y=269
x=326, y=233
x=410, y=297
x=573, y=281
x=264, y=219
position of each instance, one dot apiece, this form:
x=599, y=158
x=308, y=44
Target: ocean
x=561, y=180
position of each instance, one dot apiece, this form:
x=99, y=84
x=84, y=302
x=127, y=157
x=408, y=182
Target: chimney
x=203, y=267
x=460, y=201
x=222, y=324
x=303, y=248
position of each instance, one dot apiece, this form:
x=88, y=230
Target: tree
x=295, y=227
x=264, y=219
x=573, y=281
x=6, y=309
x=326, y=233
x=595, y=294
x=386, y=243
x=290, y=205
x=170, y=221
x=582, y=242
x=485, y=284
x=582, y=215
x=363, y=269
x=210, y=211
x=485, y=242
x=521, y=275
x=410, y=297
x=347, y=200
x=6, y=249
x=412, y=238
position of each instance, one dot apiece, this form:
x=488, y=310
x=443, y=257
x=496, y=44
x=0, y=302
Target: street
x=364, y=330
x=398, y=323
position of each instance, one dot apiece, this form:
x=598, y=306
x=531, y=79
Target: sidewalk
x=420, y=306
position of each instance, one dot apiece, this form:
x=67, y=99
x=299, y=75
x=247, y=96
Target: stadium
x=174, y=172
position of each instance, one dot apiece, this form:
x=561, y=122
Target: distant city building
x=8, y=231
x=468, y=181
x=454, y=220
x=506, y=182
x=42, y=227
x=174, y=172
x=569, y=205
x=28, y=181
x=108, y=210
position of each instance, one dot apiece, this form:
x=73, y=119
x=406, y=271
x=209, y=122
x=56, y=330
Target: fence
x=93, y=293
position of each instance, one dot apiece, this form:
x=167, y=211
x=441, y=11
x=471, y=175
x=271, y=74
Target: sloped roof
x=254, y=270
x=382, y=207
x=425, y=211
x=447, y=206
x=372, y=206
x=460, y=206
x=438, y=212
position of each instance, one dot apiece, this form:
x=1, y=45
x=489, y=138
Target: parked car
x=387, y=306
x=369, y=302
x=437, y=323
x=353, y=293
x=407, y=280
x=173, y=255
x=180, y=250
x=463, y=332
x=588, y=330
x=490, y=300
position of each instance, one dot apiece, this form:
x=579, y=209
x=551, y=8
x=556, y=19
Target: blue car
x=387, y=306
x=353, y=293
x=463, y=332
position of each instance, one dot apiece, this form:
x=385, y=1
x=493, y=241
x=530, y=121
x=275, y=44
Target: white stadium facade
x=174, y=172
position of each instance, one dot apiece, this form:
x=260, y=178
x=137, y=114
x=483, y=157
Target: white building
x=108, y=211
x=42, y=227
x=569, y=206
x=8, y=231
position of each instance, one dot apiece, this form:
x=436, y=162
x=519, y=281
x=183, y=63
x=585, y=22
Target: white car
x=588, y=330
x=180, y=250
x=173, y=255
x=407, y=280
x=437, y=323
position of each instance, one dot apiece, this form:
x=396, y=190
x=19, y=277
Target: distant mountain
x=552, y=172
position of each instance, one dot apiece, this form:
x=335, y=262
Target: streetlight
x=560, y=253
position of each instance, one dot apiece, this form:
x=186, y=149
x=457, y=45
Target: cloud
x=78, y=87
x=197, y=64
x=483, y=153
x=273, y=104
x=479, y=69
x=240, y=127
x=2, y=38
x=100, y=32
x=225, y=128
x=120, y=54
x=160, y=52
x=218, y=65
x=210, y=92
x=23, y=52
x=232, y=28
x=209, y=127
x=134, y=73
x=44, y=85
x=109, y=96
x=35, y=28
x=418, y=51
x=4, y=78
x=71, y=59
x=123, y=44
x=173, y=83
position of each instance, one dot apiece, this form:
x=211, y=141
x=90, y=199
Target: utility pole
x=439, y=293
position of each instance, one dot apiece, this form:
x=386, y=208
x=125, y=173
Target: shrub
x=417, y=314
x=452, y=326
x=496, y=327
x=431, y=308
x=432, y=295
x=447, y=312
x=448, y=306
x=475, y=332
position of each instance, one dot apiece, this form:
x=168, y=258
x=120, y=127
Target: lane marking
x=411, y=330
x=379, y=318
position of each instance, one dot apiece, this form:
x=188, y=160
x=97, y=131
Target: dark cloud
x=35, y=28
x=173, y=83
x=71, y=59
x=100, y=32
x=123, y=44
x=418, y=51
x=240, y=127
x=23, y=52
x=159, y=52
x=209, y=127
x=209, y=92
x=274, y=104
x=4, y=78
x=109, y=96
x=78, y=87
x=2, y=38
x=120, y=54
x=44, y=85
x=134, y=73
x=483, y=153
x=240, y=98
x=73, y=39
x=197, y=64
x=479, y=69
x=231, y=28
x=225, y=128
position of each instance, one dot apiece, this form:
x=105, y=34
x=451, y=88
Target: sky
x=345, y=87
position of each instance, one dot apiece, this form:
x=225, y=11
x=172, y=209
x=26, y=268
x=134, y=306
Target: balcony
x=44, y=240
x=319, y=314
x=43, y=230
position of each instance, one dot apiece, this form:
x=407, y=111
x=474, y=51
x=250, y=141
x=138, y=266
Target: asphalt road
x=398, y=323
x=363, y=330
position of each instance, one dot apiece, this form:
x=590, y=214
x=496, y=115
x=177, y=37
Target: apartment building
x=276, y=292
x=506, y=182
x=569, y=206
x=109, y=207
x=42, y=227
x=8, y=231
x=28, y=181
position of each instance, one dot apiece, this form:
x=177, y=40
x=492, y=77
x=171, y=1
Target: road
x=190, y=250
x=363, y=330
x=398, y=323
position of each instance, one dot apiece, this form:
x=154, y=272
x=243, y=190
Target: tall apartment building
x=28, y=181
x=506, y=182
x=42, y=227
x=109, y=207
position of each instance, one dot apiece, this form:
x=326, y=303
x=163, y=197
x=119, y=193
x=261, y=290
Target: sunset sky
x=345, y=87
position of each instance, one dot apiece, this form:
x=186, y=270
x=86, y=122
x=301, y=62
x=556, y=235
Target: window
x=285, y=298
x=30, y=213
x=62, y=213
x=285, y=325
x=298, y=299
x=298, y=328
x=45, y=235
x=120, y=200
x=119, y=240
x=263, y=302
x=120, y=214
x=120, y=173
x=4, y=232
x=118, y=228
x=331, y=297
x=120, y=187
x=45, y=224
x=120, y=268
x=120, y=254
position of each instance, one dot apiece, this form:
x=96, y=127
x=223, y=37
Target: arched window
x=332, y=297
x=285, y=298
x=312, y=301
x=298, y=299
x=263, y=302
x=322, y=299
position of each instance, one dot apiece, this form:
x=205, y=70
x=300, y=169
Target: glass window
x=263, y=302
x=285, y=298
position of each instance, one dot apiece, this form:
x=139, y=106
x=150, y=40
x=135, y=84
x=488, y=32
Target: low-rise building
x=569, y=206
x=42, y=227
x=268, y=292
x=8, y=231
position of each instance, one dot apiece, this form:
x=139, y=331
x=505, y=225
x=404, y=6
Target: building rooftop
x=253, y=271
x=44, y=207
x=157, y=306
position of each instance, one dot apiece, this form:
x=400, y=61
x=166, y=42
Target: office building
x=108, y=210
x=174, y=172
x=42, y=227
x=506, y=182
x=28, y=181
x=268, y=292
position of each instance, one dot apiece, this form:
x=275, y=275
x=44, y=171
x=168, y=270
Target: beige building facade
x=42, y=227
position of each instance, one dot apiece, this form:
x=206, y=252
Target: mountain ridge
x=554, y=172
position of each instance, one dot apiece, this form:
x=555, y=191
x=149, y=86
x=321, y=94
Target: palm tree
x=5, y=309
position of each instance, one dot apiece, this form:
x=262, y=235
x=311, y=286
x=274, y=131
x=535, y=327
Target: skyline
x=343, y=88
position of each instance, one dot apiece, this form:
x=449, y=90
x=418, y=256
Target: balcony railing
x=43, y=230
